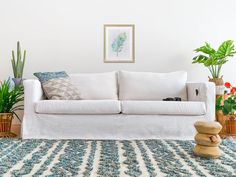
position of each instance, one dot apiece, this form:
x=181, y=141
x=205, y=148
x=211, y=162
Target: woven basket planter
x=5, y=123
x=217, y=81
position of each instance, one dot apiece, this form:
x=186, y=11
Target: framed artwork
x=119, y=44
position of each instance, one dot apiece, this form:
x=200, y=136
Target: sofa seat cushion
x=163, y=107
x=78, y=107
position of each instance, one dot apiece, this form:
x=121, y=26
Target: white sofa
x=120, y=105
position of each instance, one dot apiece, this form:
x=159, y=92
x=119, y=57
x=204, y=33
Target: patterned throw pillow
x=57, y=86
x=46, y=76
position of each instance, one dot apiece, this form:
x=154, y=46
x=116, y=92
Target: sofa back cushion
x=96, y=86
x=152, y=86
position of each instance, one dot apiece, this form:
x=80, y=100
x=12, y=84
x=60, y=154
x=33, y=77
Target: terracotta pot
x=5, y=122
x=231, y=125
x=217, y=81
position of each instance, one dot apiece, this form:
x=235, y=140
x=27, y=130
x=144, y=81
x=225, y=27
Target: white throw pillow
x=96, y=86
x=152, y=86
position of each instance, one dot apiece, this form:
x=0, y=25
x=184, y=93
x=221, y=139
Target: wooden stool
x=207, y=139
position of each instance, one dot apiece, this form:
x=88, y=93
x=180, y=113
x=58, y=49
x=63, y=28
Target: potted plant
x=9, y=97
x=214, y=59
x=18, y=64
x=227, y=104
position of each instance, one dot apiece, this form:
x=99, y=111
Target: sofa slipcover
x=96, y=86
x=163, y=107
x=113, y=126
x=78, y=107
x=152, y=86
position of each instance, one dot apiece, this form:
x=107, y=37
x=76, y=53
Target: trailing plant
x=227, y=102
x=9, y=97
x=214, y=59
x=18, y=62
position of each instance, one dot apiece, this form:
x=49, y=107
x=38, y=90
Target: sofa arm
x=32, y=93
x=205, y=92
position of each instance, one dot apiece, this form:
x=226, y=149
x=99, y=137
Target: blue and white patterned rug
x=111, y=158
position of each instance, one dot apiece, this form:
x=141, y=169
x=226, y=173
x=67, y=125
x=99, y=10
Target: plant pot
x=5, y=122
x=17, y=81
x=221, y=118
x=231, y=125
x=219, y=82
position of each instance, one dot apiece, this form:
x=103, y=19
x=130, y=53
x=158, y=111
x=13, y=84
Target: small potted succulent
x=18, y=63
x=214, y=59
x=227, y=104
x=10, y=96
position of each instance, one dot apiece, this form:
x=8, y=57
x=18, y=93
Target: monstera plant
x=214, y=59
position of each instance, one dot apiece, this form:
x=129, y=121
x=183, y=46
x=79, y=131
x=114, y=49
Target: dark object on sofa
x=172, y=99
x=197, y=92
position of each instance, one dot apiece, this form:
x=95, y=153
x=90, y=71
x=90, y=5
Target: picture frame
x=119, y=43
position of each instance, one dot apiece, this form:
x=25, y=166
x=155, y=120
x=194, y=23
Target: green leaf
x=229, y=106
x=9, y=97
x=200, y=59
x=221, y=62
x=234, y=106
x=226, y=49
x=218, y=103
x=207, y=49
x=209, y=62
x=225, y=112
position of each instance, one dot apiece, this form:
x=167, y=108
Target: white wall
x=68, y=34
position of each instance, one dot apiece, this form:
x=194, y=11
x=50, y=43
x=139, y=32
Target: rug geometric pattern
x=110, y=158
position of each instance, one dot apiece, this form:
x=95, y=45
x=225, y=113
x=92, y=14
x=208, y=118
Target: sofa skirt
x=117, y=127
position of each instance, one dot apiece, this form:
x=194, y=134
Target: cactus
x=19, y=63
